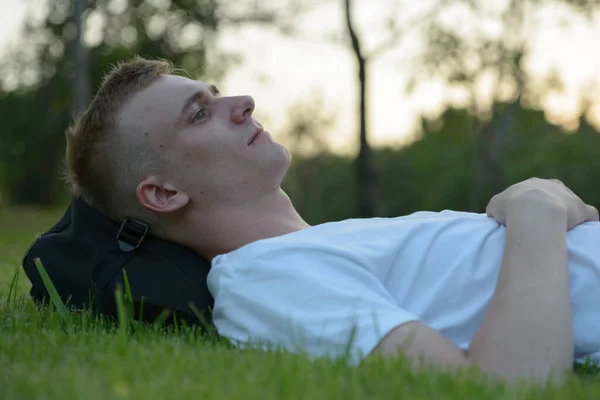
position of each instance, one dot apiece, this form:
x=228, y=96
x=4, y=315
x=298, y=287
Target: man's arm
x=527, y=331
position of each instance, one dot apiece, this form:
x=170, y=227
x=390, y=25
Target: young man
x=515, y=292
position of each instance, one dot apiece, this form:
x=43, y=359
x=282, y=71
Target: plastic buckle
x=131, y=234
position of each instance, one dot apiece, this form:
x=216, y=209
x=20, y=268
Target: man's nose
x=242, y=109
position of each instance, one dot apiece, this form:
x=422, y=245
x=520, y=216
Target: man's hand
x=549, y=193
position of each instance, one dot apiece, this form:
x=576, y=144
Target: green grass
x=44, y=356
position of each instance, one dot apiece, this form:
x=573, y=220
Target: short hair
x=104, y=163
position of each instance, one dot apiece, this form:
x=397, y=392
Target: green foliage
x=31, y=146
x=438, y=171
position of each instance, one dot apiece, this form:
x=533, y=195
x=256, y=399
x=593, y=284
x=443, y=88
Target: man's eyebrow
x=213, y=90
x=197, y=96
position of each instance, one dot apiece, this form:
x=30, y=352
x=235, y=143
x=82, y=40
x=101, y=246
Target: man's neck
x=233, y=225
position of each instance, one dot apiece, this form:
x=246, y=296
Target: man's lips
x=257, y=132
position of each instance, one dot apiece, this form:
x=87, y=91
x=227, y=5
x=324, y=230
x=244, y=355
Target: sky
x=280, y=72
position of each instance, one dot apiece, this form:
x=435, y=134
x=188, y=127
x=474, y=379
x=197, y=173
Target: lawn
x=43, y=357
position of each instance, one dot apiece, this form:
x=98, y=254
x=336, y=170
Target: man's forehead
x=158, y=106
x=183, y=85
x=167, y=92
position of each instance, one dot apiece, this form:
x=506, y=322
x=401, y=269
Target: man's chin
x=289, y=157
x=285, y=162
x=287, y=154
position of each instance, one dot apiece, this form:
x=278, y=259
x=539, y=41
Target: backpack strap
x=130, y=236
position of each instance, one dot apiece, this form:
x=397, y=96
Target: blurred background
x=388, y=106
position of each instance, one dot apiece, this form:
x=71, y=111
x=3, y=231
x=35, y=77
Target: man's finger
x=489, y=209
x=592, y=213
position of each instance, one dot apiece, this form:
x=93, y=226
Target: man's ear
x=160, y=197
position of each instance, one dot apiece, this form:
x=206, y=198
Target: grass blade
x=141, y=313
x=15, y=288
x=12, y=288
x=122, y=312
x=208, y=327
x=162, y=317
x=128, y=295
x=51, y=289
x=128, y=299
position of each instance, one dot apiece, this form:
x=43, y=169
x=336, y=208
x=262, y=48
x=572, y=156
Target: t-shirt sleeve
x=319, y=310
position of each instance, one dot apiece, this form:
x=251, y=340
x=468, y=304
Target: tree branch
x=401, y=31
x=353, y=37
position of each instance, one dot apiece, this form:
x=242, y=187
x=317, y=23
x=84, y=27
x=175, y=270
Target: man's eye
x=200, y=116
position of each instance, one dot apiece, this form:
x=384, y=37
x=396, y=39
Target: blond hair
x=103, y=163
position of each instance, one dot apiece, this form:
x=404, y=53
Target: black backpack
x=85, y=254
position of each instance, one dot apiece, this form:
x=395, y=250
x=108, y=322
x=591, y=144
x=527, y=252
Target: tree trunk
x=501, y=138
x=80, y=84
x=492, y=140
x=481, y=131
x=367, y=195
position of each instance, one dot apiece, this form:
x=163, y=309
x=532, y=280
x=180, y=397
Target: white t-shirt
x=338, y=288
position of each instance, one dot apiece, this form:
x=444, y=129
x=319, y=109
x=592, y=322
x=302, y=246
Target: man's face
x=213, y=148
